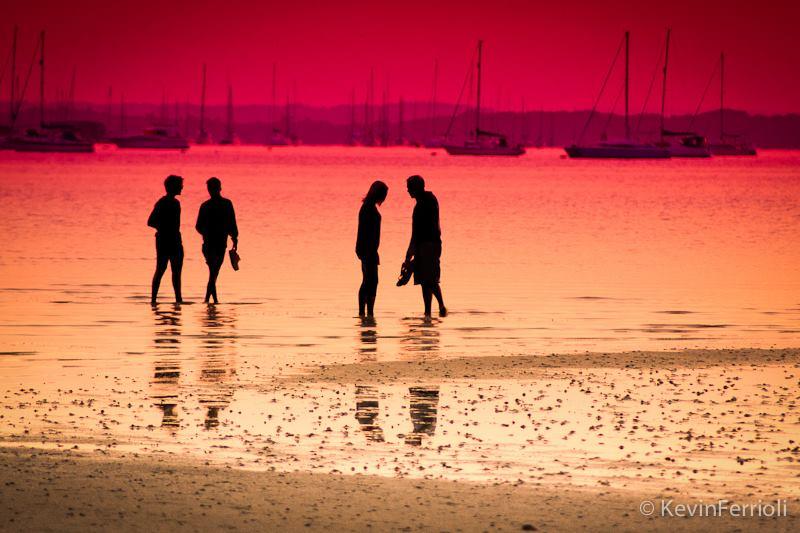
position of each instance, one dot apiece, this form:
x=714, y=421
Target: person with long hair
x=367, y=242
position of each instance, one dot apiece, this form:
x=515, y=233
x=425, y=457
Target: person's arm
x=412, y=244
x=200, y=226
x=234, y=229
x=155, y=217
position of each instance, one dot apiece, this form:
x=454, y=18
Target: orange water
x=541, y=254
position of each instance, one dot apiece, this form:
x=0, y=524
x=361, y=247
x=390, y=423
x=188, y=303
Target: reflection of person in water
x=367, y=243
x=215, y=221
x=167, y=368
x=423, y=407
x=367, y=410
x=425, y=247
x=166, y=219
x=217, y=366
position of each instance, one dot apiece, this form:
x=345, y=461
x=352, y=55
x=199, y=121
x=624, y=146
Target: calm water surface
x=541, y=255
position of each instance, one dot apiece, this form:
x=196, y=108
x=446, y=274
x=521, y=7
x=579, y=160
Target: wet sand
x=537, y=366
x=63, y=491
x=557, y=442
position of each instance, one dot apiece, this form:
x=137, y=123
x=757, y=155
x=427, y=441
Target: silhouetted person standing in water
x=367, y=242
x=215, y=221
x=425, y=247
x=166, y=219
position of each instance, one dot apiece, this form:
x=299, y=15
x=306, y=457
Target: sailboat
x=155, y=138
x=203, y=137
x=729, y=144
x=484, y=142
x=47, y=139
x=434, y=141
x=679, y=143
x=620, y=149
x=230, y=136
x=275, y=136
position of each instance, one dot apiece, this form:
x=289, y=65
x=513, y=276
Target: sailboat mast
x=478, y=104
x=627, y=83
x=203, y=104
x=230, y=112
x=122, y=113
x=721, y=96
x=41, y=82
x=13, y=76
x=433, y=100
x=664, y=86
x=352, y=117
x=273, y=110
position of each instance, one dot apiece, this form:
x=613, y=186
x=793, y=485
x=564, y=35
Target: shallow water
x=541, y=255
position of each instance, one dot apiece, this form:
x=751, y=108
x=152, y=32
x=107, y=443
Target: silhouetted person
x=215, y=221
x=425, y=247
x=166, y=219
x=367, y=242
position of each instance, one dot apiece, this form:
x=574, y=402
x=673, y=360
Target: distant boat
x=728, y=144
x=433, y=140
x=154, y=139
x=621, y=149
x=203, y=137
x=684, y=144
x=47, y=139
x=230, y=136
x=678, y=143
x=484, y=142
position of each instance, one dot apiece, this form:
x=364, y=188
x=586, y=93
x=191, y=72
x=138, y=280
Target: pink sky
x=552, y=54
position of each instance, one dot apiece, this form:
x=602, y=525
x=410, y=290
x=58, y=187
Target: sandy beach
x=64, y=491
x=67, y=482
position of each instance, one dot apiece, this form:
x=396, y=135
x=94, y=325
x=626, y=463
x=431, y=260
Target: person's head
x=377, y=193
x=416, y=186
x=214, y=186
x=173, y=184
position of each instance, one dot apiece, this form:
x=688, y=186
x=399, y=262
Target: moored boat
x=483, y=143
x=626, y=148
x=622, y=149
x=729, y=144
x=49, y=141
x=153, y=139
x=684, y=144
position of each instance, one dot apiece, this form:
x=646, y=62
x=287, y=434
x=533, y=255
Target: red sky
x=552, y=54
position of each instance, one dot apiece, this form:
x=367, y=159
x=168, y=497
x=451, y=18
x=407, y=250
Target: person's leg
x=372, y=289
x=214, y=266
x=161, y=267
x=362, y=290
x=427, y=297
x=437, y=292
x=215, y=275
x=176, y=265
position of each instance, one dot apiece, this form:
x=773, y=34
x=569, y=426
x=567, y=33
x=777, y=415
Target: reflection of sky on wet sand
x=553, y=257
